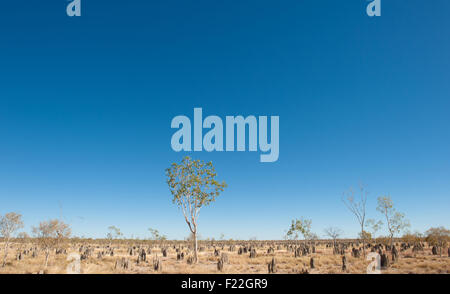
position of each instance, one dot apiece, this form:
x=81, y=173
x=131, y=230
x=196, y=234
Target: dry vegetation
x=193, y=186
x=126, y=256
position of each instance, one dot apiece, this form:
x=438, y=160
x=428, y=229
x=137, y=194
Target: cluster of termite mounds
x=152, y=255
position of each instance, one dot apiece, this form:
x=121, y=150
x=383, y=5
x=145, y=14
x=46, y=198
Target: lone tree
x=302, y=226
x=9, y=224
x=193, y=186
x=438, y=237
x=51, y=234
x=358, y=208
x=333, y=233
x=395, y=221
x=113, y=233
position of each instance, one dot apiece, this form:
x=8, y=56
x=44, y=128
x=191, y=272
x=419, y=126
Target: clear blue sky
x=86, y=105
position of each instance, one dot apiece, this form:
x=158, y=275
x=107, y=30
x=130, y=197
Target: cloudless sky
x=86, y=105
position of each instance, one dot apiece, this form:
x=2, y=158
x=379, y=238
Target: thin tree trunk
x=364, y=240
x=6, y=253
x=47, y=253
x=195, y=247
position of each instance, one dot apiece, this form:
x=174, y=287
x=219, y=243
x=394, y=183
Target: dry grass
x=325, y=262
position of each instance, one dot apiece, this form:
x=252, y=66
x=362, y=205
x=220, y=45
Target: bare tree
x=395, y=221
x=358, y=208
x=9, y=224
x=51, y=234
x=193, y=186
x=333, y=233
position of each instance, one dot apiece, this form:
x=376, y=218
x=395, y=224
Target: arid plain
x=233, y=257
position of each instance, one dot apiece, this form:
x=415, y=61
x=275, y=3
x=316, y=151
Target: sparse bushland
x=193, y=186
x=51, y=235
x=325, y=261
x=9, y=224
